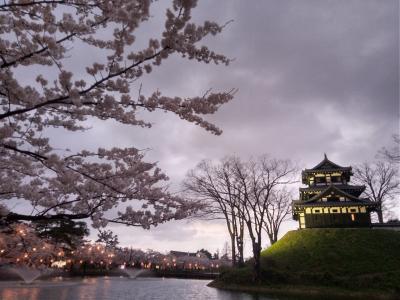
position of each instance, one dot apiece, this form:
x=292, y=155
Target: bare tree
x=278, y=210
x=392, y=155
x=214, y=187
x=247, y=195
x=257, y=181
x=382, y=183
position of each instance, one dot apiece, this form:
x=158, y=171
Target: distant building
x=329, y=200
x=182, y=254
x=193, y=260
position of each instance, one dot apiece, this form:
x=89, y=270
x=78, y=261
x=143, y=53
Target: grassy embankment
x=352, y=263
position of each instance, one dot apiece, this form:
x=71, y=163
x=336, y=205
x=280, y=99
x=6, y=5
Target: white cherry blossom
x=91, y=184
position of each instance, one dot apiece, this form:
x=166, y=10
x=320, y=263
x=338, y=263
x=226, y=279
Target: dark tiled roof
x=364, y=202
x=327, y=166
x=327, y=170
x=332, y=190
x=339, y=186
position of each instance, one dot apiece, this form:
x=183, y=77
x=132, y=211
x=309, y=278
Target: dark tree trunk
x=233, y=241
x=273, y=237
x=257, y=262
x=380, y=215
x=240, y=253
x=239, y=242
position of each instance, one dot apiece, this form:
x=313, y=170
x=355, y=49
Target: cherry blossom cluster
x=19, y=245
x=94, y=254
x=40, y=35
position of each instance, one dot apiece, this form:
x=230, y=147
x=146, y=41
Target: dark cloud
x=313, y=76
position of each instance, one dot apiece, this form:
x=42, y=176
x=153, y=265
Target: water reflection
x=114, y=288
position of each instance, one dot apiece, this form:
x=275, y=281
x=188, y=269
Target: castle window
x=335, y=179
x=353, y=217
x=320, y=180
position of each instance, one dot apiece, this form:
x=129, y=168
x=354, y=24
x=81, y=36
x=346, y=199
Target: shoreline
x=306, y=292
x=9, y=275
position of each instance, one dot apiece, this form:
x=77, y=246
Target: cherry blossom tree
x=20, y=245
x=39, y=37
x=130, y=257
x=92, y=255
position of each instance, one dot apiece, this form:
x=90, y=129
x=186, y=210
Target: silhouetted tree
x=382, y=183
x=63, y=232
x=206, y=253
x=248, y=195
x=278, y=210
x=108, y=238
x=213, y=185
x=258, y=182
x=392, y=155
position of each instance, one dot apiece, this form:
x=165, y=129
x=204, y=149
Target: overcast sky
x=314, y=76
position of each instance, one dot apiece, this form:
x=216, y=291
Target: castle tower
x=329, y=200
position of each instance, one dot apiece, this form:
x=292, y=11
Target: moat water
x=117, y=288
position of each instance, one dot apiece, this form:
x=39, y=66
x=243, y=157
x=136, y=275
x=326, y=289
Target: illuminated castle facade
x=329, y=200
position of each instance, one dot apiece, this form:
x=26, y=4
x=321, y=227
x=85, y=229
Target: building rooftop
x=334, y=190
x=317, y=188
x=326, y=165
x=363, y=202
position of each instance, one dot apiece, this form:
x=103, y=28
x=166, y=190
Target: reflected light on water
x=115, y=288
x=21, y=293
